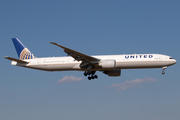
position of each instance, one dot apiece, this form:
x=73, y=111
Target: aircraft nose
x=174, y=61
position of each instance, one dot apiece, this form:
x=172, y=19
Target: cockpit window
x=170, y=58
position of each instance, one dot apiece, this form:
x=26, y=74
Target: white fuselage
x=128, y=61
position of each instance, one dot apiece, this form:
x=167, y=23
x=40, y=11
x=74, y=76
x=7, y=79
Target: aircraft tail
x=22, y=51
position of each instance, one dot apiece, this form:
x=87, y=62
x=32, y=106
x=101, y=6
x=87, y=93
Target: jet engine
x=108, y=64
x=112, y=73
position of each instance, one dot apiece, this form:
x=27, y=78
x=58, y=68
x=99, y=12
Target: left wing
x=77, y=55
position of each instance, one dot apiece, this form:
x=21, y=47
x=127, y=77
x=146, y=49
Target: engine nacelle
x=108, y=64
x=112, y=73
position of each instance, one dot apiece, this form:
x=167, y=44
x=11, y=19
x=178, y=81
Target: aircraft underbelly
x=141, y=64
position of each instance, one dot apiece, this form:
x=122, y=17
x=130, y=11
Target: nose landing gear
x=164, y=70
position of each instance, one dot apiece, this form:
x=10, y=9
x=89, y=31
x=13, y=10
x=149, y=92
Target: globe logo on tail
x=26, y=54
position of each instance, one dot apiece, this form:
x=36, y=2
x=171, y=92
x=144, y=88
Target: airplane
x=110, y=65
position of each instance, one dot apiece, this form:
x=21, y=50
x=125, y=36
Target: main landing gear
x=91, y=74
x=164, y=70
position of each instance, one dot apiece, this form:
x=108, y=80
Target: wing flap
x=16, y=60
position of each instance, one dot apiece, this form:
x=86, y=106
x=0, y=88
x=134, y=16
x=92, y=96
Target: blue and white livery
x=108, y=64
x=22, y=51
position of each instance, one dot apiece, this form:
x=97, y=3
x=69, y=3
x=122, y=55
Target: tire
x=89, y=78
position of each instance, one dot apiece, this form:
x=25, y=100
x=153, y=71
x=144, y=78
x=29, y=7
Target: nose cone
x=173, y=62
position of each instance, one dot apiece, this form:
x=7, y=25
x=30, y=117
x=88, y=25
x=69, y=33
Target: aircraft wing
x=16, y=60
x=77, y=55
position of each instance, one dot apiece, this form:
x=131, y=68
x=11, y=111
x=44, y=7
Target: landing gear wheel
x=163, y=72
x=96, y=76
x=89, y=78
x=90, y=74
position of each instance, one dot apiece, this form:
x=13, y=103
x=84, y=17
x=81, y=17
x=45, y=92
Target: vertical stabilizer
x=22, y=51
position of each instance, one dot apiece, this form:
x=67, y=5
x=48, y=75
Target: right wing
x=87, y=61
x=77, y=55
x=16, y=60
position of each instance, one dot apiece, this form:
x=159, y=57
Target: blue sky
x=96, y=27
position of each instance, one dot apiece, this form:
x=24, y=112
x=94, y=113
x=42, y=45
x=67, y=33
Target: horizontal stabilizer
x=16, y=60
